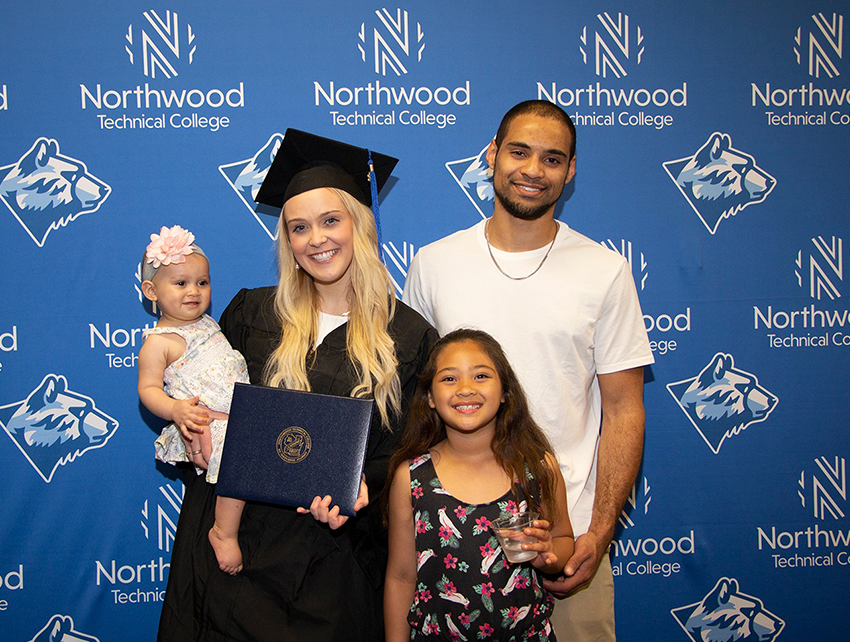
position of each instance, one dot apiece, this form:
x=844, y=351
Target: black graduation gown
x=301, y=580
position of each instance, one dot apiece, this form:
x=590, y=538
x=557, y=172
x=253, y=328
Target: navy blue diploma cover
x=288, y=446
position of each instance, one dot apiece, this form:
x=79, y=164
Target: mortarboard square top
x=305, y=162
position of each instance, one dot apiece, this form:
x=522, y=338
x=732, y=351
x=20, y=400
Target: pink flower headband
x=170, y=247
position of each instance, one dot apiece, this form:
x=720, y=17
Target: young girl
x=186, y=366
x=470, y=454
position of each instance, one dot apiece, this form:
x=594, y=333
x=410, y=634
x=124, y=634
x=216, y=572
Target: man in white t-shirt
x=566, y=312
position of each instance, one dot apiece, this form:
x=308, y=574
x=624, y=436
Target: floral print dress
x=466, y=589
x=208, y=368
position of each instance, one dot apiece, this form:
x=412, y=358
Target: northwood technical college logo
x=718, y=181
x=475, y=177
x=722, y=400
x=726, y=613
x=61, y=628
x=614, y=48
x=161, y=44
x=637, y=503
x=246, y=176
x=819, y=45
x=390, y=42
x=820, y=267
x=823, y=488
x=46, y=190
x=54, y=425
x=160, y=514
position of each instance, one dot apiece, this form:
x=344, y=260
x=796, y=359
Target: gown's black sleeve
x=251, y=327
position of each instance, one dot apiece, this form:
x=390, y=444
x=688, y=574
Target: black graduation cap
x=306, y=161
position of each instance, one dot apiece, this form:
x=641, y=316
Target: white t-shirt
x=577, y=317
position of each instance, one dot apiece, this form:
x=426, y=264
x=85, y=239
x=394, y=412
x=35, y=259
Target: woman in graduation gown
x=332, y=326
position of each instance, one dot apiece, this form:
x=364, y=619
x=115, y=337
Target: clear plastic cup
x=509, y=532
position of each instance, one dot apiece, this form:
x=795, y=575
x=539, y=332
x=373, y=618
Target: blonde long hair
x=368, y=343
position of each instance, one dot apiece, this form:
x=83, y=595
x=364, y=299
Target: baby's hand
x=545, y=550
x=189, y=416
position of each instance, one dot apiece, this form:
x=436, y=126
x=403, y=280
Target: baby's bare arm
x=157, y=353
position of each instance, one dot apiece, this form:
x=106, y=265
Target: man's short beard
x=524, y=213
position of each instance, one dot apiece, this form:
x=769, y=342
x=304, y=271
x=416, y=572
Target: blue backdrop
x=712, y=153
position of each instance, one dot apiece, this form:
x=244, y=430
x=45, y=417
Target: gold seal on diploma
x=293, y=445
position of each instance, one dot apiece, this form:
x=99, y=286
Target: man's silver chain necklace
x=499, y=267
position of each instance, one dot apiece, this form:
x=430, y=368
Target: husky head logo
x=46, y=190
x=246, y=176
x=719, y=180
x=475, y=178
x=722, y=400
x=726, y=614
x=54, y=425
x=60, y=628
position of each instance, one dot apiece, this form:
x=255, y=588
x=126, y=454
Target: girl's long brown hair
x=518, y=443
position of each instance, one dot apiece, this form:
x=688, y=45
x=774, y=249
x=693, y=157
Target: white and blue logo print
x=614, y=48
x=397, y=261
x=820, y=267
x=391, y=42
x=725, y=614
x=722, y=400
x=46, y=190
x=246, y=176
x=160, y=44
x=718, y=181
x=60, y=628
x=637, y=503
x=149, y=306
x=819, y=45
x=160, y=515
x=637, y=260
x=822, y=488
x=54, y=425
x=475, y=177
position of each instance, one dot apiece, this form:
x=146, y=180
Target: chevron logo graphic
x=637, y=503
x=160, y=514
x=636, y=259
x=389, y=42
x=161, y=44
x=821, y=269
x=398, y=260
x=823, y=489
x=614, y=47
x=819, y=46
